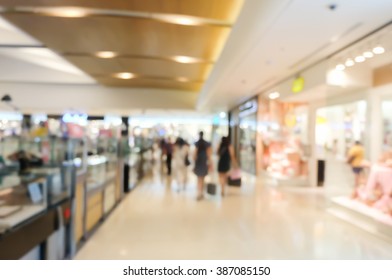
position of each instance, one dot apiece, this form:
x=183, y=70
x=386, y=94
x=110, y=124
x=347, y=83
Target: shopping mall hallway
x=155, y=221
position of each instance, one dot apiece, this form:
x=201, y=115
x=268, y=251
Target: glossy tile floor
x=256, y=221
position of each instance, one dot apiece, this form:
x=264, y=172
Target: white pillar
x=313, y=147
x=374, y=127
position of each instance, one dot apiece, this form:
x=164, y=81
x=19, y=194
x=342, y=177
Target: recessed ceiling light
x=340, y=67
x=359, y=59
x=378, y=50
x=274, y=95
x=106, y=54
x=185, y=59
x=178, y=19
x=64, y=12
x=124, y=75
x=183, y=79
x=349, y=62
x=368, y=54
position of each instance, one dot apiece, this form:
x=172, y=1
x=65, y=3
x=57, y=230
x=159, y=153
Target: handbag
x=234, y=178
x=211, y=188
x=187, y=161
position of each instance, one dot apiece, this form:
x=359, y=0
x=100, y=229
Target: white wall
x=376, y=96
x=93, y=99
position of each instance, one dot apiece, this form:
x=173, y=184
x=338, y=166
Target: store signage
x=248, y=108
x=78, y=118
x=298, y=85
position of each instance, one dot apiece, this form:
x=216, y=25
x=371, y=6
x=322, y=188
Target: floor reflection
x=155, y=221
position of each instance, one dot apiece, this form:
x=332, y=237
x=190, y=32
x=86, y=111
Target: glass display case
x=21, y=198
x=8, y=146
x=132, y=174
x=97, y=171
x=60, y=181
x=101, y=188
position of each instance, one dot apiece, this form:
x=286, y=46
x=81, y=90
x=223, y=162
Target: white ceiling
x=10, y=35
x=271, y=41
x=24, y=59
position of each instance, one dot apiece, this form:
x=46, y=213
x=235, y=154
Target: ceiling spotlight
x=222, y=115
x=340, y=67
x=349, y=62
x=359, y=59
x=185, y=59
x=106, y=54
x=6, y=98
x=332, y=7
x=124, y=75
x=274, y=95
x=368, y=54
x=378, y=50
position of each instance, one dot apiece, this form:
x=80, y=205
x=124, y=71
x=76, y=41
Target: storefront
x=367, y=119
x=243, y=125
x=283, y=134
x=338, y=127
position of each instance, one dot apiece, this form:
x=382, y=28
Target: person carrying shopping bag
x=202, y=159
x=226, y=160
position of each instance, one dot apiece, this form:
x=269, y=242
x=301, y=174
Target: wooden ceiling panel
x=145, y=67
x=214, y=9
x=139, y=31
x=124, y=35
x=150, y=83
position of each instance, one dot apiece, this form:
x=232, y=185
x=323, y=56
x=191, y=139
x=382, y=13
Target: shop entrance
x=337, y=129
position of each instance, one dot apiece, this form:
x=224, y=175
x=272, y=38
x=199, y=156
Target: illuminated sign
x=112, y=120
x=248, y=108
x=78, y=118
x=298, y=85
x=11, y=116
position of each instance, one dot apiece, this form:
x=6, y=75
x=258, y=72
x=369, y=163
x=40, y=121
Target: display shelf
x=362, y=216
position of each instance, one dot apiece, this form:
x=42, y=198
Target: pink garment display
x=380, y=177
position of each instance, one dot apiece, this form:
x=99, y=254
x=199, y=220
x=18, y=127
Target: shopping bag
x=234, y=178
x=211, y=188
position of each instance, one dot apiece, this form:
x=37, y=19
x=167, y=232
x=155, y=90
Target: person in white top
x=181, y=162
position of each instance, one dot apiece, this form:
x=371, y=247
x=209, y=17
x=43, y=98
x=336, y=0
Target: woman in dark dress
x=202, y=159
x=226, y=157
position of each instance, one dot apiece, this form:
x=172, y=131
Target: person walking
x=226, y=159
x=169, y=156
x=202, y=158
x=355, y=158
x=181, y=162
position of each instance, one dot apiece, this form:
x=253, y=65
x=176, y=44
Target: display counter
x=50, y=210
x=102, y=191
x=21, y=198
x=37, y=202
x=28, y=222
